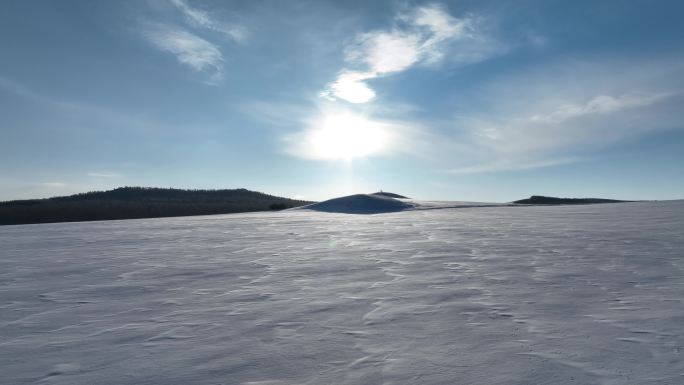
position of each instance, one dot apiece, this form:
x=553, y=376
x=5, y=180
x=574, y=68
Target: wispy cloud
x=565, y=111
x=194, y=41
x=202, y=19
x=103, y=175
x=190, y=49
x=350, y=86
x=54, y=184
x=598, y=105
x=83, y=112
x=560, y=134
x=421, y=36
x=499, y=165
x=20, y=90
x=275, y=113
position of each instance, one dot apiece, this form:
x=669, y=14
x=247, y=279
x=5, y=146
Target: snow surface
x=377, y=204
x=495, y=295
x=359, y=204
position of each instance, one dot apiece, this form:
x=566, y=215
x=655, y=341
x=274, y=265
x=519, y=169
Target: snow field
x=482, y=295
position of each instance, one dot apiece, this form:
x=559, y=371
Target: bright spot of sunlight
x=347, y=136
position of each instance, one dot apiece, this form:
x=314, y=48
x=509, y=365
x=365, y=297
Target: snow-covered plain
x=491, y=295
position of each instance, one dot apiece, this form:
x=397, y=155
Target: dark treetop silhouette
x=139, y=202
x=542, y=200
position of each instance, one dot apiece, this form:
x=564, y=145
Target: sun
x=347, y=136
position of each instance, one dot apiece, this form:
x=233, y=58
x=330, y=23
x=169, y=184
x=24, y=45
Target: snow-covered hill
x=489, y=295
x=377, y=204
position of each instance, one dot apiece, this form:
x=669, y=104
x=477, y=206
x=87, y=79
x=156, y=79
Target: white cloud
x=189, y=49
x=194, y=49
x=387, y=52
x=442, y=27
x=200, y=18
x=351, y=87
x=420, y=37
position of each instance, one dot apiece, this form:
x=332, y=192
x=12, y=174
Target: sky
x=453, y=100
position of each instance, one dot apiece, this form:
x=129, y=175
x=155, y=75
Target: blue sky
x=457, y=100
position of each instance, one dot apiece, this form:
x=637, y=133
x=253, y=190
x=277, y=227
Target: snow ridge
x=361, y=204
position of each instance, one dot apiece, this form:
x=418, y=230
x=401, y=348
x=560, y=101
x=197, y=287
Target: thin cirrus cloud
x=601, y=105
x=202, y=19
x=420, y=37
x=103, y=175
x=564, y=111
x=195, y=51
x=54, y=184
x=189, y=49
x=560, y=134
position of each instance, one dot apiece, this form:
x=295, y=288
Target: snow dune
x=490, y=295
x=376, y=204
x=359, y=204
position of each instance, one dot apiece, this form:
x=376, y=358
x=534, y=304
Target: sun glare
x=347, y=136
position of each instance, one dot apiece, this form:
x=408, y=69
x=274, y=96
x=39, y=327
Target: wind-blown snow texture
x=499, y=295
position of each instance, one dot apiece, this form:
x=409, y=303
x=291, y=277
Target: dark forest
x=139, y=202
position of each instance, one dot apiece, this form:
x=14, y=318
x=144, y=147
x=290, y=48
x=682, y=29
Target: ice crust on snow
x=490, y=295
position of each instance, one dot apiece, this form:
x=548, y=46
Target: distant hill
x=139, y=202
x=389, y=195
x=542, y=200
x=360, y=204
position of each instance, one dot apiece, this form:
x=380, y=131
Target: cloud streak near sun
x=420, y=36
x=344, y=127
x=534, y=115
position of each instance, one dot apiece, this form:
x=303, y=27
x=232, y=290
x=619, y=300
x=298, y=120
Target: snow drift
x=378, y=203
x=361, y=204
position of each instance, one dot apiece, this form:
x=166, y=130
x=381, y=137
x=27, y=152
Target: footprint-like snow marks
x=360, y=204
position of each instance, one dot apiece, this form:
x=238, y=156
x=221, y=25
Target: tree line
x=139, y=202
